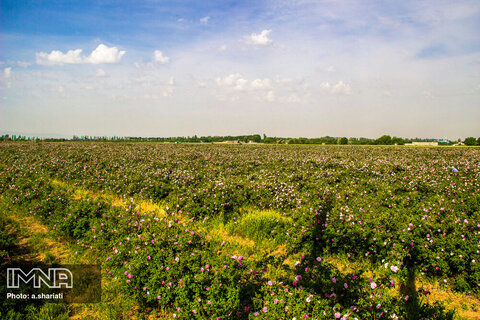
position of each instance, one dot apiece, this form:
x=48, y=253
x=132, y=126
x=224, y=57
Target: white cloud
x=168, y=89
x=222, y=48
x=261, y=84
x=260, y=39
x=237, y=82
x=104, y=54
x=101, y=54
x=326, y=86
x=234, y=81
x=59, y=58
x=101, y=73
x=159, y=58
x=204, y=20
x=340, y=88
x=235, y=87
x=7, y=73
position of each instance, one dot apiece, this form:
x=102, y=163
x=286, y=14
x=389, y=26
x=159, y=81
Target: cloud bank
x=101, y=55
x=341, y=88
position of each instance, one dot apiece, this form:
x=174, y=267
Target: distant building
x=421, y=143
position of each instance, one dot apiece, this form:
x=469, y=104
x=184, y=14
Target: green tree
x=384, y=140
x=398, y=141
x=470, y=141
x=344, y=140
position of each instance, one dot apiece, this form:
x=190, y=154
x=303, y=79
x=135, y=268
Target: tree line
x=254, y=138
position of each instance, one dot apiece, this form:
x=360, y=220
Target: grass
x=262, y=226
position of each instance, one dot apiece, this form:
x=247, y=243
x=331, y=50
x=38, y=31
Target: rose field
x=219, y=231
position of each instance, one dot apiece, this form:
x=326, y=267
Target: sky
x=295, y=68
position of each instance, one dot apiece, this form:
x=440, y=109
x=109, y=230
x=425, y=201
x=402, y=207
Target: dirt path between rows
x=36, y=244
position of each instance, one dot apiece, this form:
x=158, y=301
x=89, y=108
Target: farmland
x=209, y=231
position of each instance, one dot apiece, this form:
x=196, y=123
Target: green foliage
x=398, y=141
x=384, y=140
x=269, y=140
x=7, y=238
x=470, y=141
x=50, y=258
x=52, y=311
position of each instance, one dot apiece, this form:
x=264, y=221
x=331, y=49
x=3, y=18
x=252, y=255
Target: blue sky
x=285, y=68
